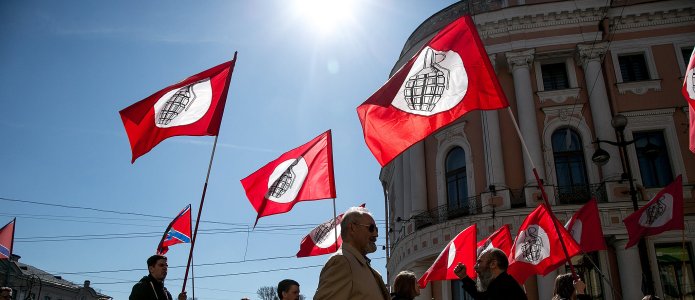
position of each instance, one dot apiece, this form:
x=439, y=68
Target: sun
x=324, y=16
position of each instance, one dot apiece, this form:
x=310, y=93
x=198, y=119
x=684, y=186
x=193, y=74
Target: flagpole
x=197, y=220
x=540, y=186
x=335, y=226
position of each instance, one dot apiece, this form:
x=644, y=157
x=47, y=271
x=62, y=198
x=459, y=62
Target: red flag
x=537, y=248
x=301, y=174
x=585, y=227
x=688, y=91
x=500, y=239
x=663, y=213
x=460, y=249
x=7, y=239
x=178, y=231
x=322, y=239
x=193, y=106
x=450, y=76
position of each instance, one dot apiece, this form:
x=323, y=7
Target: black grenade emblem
x=285, y=182
x=180, y=101
x=424, y=89
x=532, y=246
x=655, y=211
x=322, y=232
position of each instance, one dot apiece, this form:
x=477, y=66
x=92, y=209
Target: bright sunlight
x=324, y=15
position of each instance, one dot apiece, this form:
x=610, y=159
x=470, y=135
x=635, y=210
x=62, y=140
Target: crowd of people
x=348, y=274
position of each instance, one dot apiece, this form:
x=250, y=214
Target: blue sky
x=68, y=67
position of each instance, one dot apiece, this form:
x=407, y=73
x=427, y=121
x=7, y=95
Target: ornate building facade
x=568, y=69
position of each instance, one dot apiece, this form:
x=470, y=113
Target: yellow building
x=568, y=69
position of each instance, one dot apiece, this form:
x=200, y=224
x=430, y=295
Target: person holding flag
x=493, y=282
x=151, y=287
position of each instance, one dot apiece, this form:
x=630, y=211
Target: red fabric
x=459, y=250
x=688, y=91
x=301, y=174
x=585, y=227
x=322, y=239
x=500, y=239
x=7, y=239
x=389, y=130
x=178, y=231
x=139, y=119
x=663, y=213
x=537, y=248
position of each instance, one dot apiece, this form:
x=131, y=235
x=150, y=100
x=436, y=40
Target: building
x=568, y=68
x=31, y=283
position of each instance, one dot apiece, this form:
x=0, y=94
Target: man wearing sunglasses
x=348, y=273
x=5, y=293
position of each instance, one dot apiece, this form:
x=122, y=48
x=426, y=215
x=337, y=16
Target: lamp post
x=601, y=157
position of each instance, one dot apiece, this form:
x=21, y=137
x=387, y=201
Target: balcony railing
x=580, y=194
x=447, y=212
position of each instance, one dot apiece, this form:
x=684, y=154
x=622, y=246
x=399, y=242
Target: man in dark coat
x=151, y=287
x=493, y=282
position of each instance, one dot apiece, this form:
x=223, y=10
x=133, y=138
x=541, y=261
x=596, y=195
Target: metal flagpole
x=200, y=210
x=205, y=186
x=540, y=186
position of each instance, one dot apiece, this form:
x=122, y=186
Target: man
x=151, y=287
x=288, y=289
x=493, y=282
x=5, y=293
x=348, y=274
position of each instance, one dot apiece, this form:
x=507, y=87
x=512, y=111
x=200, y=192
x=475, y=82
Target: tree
x=267, y=293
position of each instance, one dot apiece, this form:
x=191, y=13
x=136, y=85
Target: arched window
x=570, y=167
x=456, y=182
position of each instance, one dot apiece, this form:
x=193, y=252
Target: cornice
x=632, y=22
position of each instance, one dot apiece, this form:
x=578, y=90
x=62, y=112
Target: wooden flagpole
x=540, y=186
x=197, y=220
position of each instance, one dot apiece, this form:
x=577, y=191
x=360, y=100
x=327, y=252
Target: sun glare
x=323, y=15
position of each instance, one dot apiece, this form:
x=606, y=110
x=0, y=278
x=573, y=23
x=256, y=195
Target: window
x=675, y=270
x=456, y=182
x=587, y=269
x=653, y=159
x=686, y=52
x=633, y=67
x=554, y=76
x=570, y=167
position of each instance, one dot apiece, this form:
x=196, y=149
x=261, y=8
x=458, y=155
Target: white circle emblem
x=286, y=180
x=452, y=255
x=659, y=213
x=436, y=82
x=183, y=106
x=532, y=245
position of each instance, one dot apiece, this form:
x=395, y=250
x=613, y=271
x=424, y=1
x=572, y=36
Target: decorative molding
x=591, y=52
x=520, y=59
x=558, y=96
x=632, y=22
x=492, y=60
x=450, y=132
x=524, y=22
x=639, y=87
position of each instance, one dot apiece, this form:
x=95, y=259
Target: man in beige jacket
x=347, y=274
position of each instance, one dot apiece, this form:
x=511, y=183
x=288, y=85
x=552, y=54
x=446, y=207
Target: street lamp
x=601, y=157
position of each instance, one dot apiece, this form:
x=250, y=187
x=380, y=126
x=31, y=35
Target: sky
x=84, y=212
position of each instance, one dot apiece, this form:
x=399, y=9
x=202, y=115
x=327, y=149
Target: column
x=519, y=63
x=493, y=144
x=398, y=196
x=407, y=195
x=629, y=269
x=590, y=58
x=546, y=285
x=426, y=293
x=418, y=179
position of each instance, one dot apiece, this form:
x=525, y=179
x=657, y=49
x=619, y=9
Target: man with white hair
x=493, y=282
x=347, y=274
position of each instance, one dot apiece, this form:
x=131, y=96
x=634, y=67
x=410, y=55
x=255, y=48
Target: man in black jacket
x=151, y=287
x=493, y=282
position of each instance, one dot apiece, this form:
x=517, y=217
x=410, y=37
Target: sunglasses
x=371, y=227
